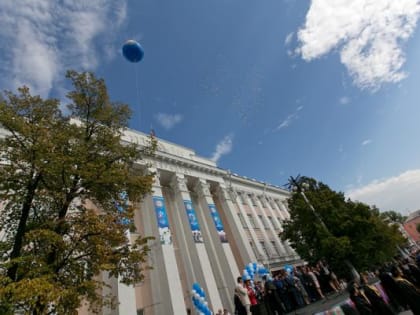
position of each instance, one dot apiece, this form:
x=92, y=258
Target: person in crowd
x=412, y=272
x=390, y=287
x=282, y=290
x=361, y=302
x=301, y=288
x=259, y=291
x=241, y=299
x=408, y=291
x=314, y=277
x=251, y=295
x=294, y=294
x=378, y=304
x=272, y=299
x=309, y=284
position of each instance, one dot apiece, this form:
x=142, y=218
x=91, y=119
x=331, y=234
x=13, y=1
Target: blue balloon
x=132, y=51
x=196, y=287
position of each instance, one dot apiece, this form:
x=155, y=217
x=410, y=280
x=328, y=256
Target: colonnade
x=199, y=237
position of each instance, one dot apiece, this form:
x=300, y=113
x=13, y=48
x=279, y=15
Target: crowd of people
x=286, y=291
x=400, y=282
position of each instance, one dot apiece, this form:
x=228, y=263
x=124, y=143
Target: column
x=258, y=223
x=283, y=208
x=227, y=199
x=277, y=225
x=165, y=280
x=274, y=235
x=196, y=259
x=286, y=215
x=217, y=244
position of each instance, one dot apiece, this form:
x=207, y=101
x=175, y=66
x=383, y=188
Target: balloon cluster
x=288, y=268
x=199, y=300
x=253, y=269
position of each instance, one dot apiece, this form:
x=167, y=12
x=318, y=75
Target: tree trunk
x=21, y=230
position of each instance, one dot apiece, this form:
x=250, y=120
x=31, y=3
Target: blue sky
x=268, y=89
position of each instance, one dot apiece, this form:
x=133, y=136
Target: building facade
x=208, y=224
x=410, y=225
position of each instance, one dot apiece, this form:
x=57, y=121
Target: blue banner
x=121, y=206
x=192, y=218
x=218, y=223
x=162, y=220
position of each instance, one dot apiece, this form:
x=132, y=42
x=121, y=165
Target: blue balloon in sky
x=132, y=51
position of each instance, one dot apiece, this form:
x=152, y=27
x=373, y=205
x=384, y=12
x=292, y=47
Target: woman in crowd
x=360, y=301
x=408, y=291
x=379, y=306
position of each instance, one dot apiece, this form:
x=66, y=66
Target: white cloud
x=344, y=100
x=286, y=123
x=41, y=39
x=366, y=142
x=288, y=39
x=289, y=119
x=168, y=121
x=222, y=148
x=369, y=35
x=400, y=193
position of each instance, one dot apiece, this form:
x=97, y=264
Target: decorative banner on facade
x=122, y=207
x=218, y=223
x=192, y=218
x=162, y=219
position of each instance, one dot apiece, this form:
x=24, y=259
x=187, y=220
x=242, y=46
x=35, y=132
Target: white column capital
x=156, y=177
x=226, y=193
x=179, y=183
x=202, y=188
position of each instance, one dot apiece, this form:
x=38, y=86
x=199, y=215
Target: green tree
x=393, y=216
x=61, y=177
x=337, y=230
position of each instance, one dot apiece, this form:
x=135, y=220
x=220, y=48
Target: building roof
x=413, y=215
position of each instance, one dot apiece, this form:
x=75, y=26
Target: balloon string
x=138, y=96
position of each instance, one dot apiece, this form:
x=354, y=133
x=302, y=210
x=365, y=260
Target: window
x=140, y=311
x=252, y=199
x=241, y=198
x=262, y=201
x=264, y=248
x=272, y=223
x=251, y=221
x=241, y=218
x=273, y=243
x=263, y=222
x=253, y=248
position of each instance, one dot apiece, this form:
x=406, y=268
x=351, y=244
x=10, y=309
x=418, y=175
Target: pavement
x=327, y=303
x=322, y=305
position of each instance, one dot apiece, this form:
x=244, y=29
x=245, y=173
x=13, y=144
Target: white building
x=208, y=224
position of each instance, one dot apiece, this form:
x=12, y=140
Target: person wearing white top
x=242, y=293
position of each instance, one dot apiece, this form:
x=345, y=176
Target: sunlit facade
x=208, y=224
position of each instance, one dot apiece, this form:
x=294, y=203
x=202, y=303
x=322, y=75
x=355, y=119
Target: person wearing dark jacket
x=409, y=293
x=271, y=296
x=360, y=301
x=374, y=296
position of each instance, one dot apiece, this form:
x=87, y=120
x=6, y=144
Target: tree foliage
x=61, y=177
x=393, y=216
x=352, y=231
